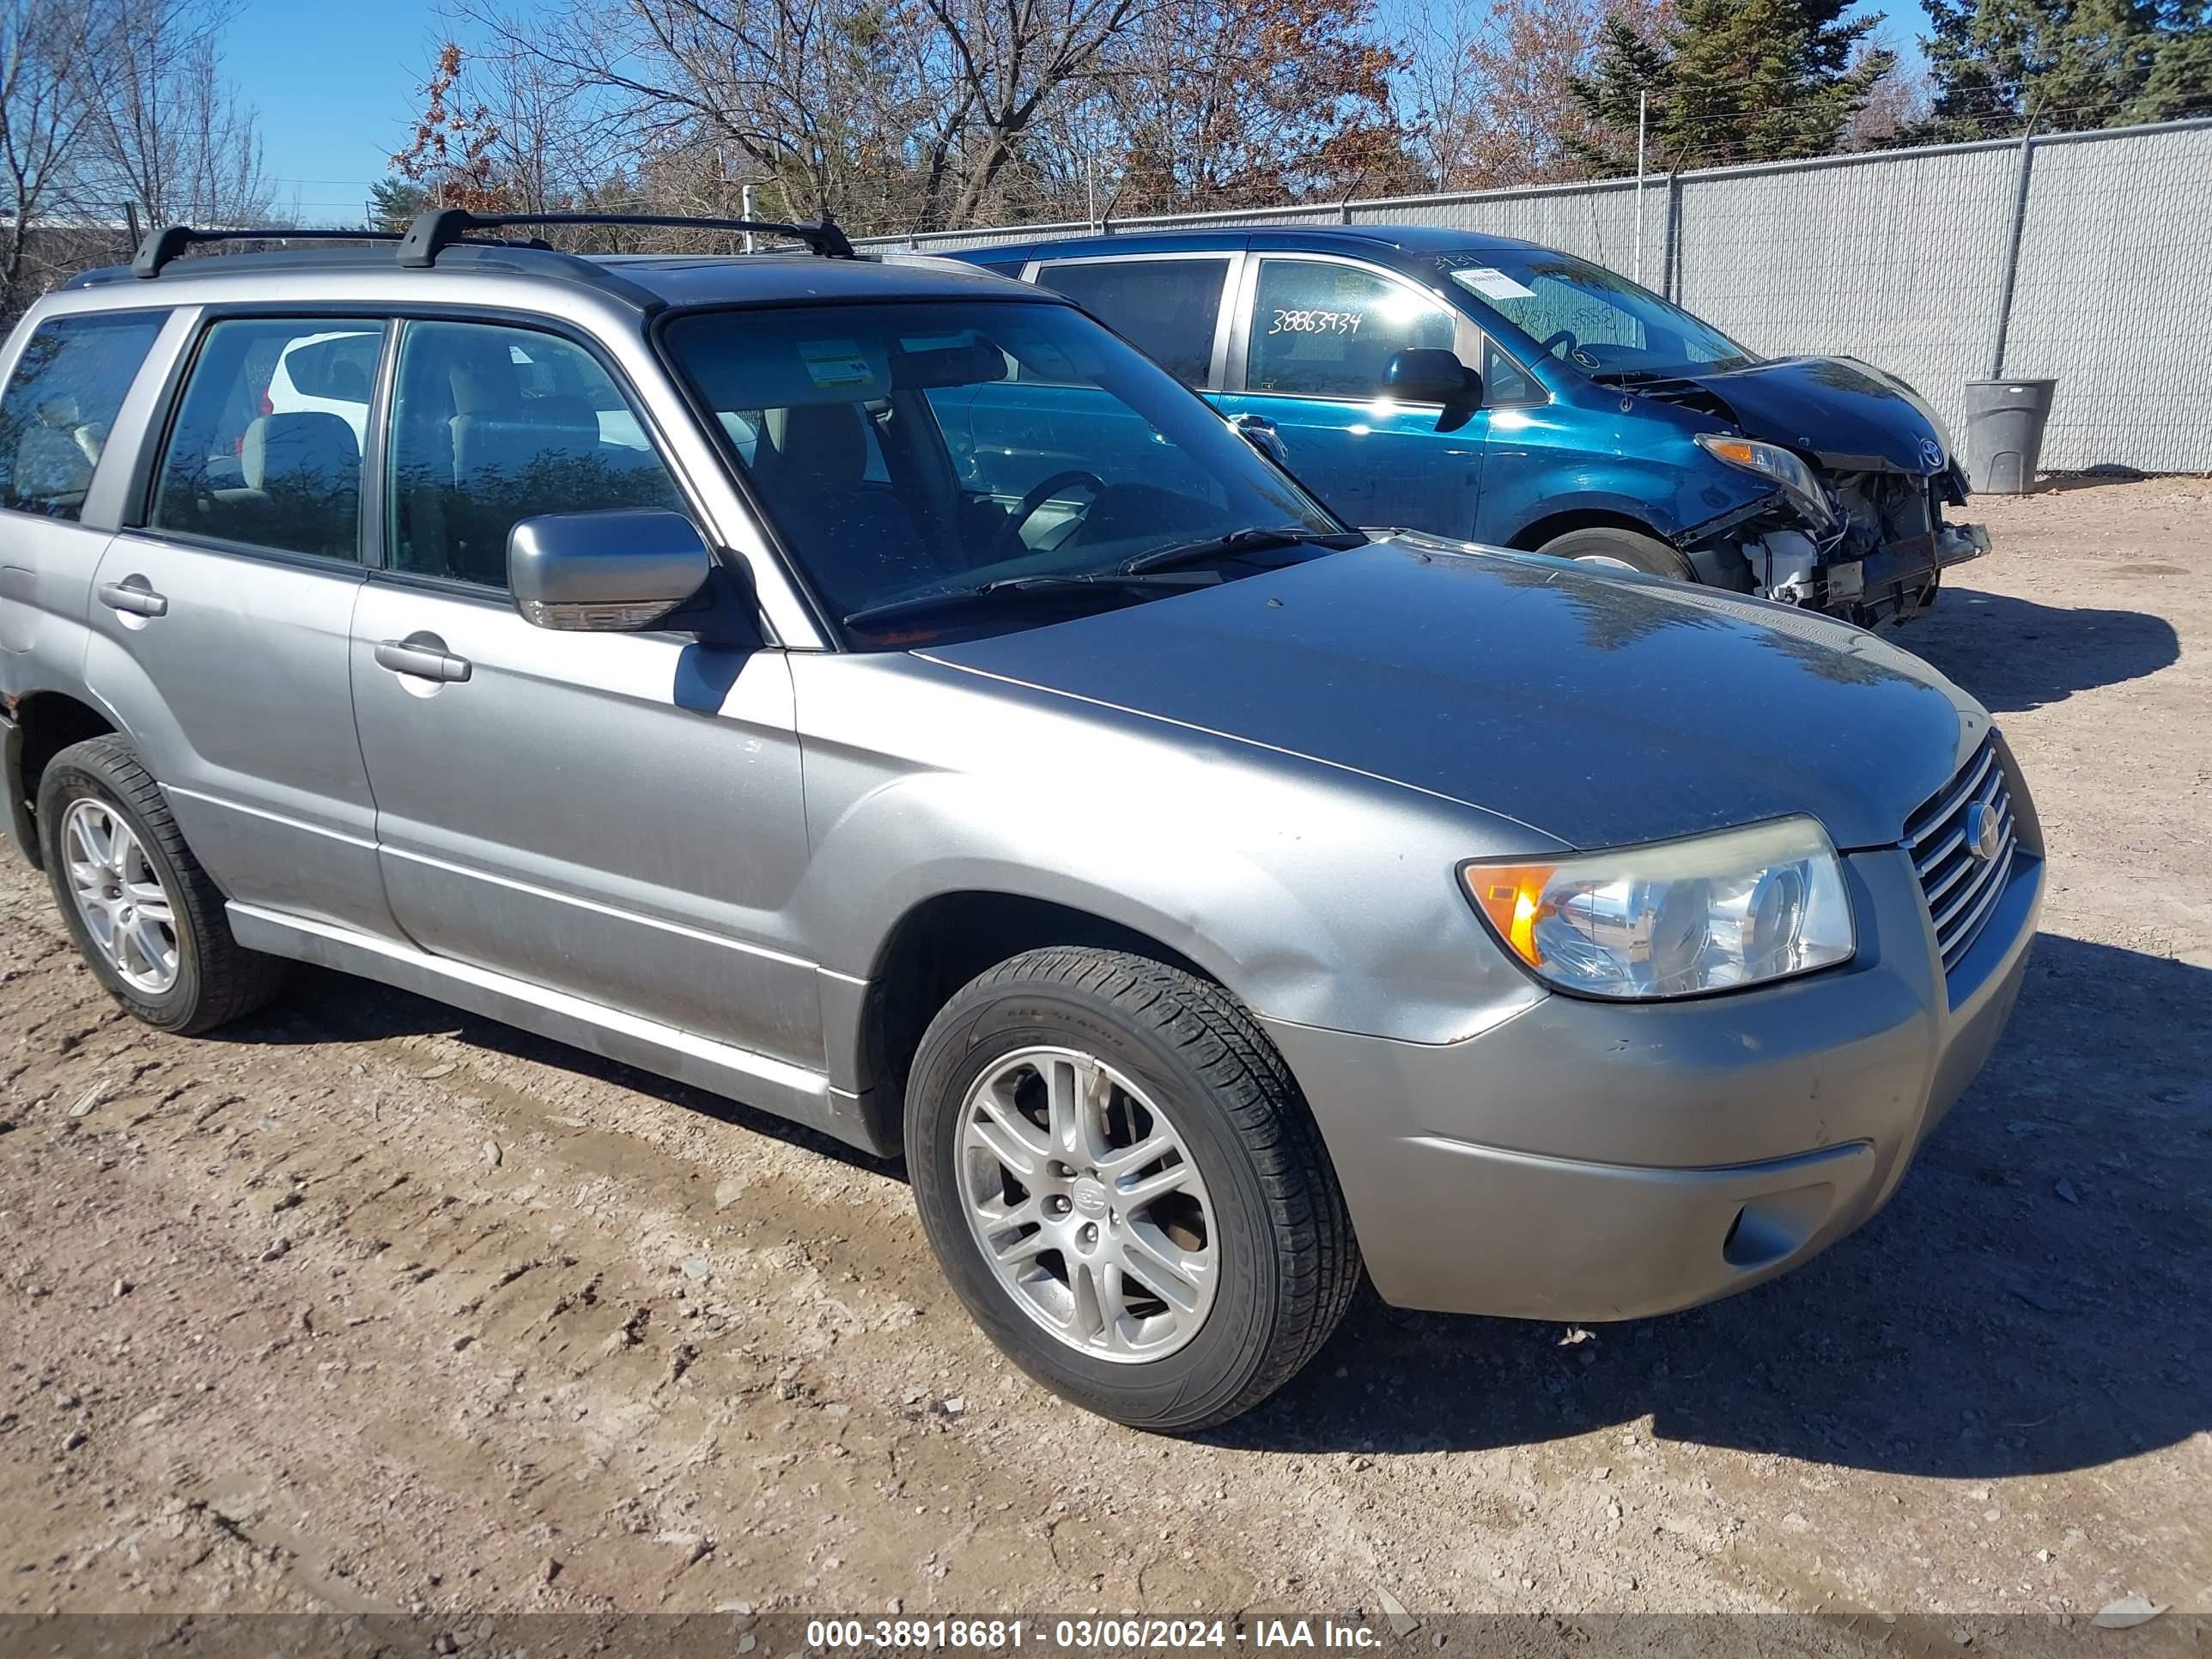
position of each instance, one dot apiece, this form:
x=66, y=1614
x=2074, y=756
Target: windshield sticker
x=1316, y=322
x=835, y=362
x=1491, y=283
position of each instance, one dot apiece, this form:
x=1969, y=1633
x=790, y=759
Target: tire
x=212, y=979
x=1258, y=1193
x=1609, y=544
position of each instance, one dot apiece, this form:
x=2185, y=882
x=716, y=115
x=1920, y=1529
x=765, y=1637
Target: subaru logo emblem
x=1931, y=453
x=1985, y=832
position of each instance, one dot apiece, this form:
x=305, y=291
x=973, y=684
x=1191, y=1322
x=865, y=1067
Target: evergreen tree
x=1732, y=80
x=2064, y=64
x=1767, y=80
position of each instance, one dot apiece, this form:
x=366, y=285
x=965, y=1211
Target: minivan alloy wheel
x=1087, y=1205
x=125, y=909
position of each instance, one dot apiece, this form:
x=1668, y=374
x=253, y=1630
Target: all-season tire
x=1283, y=1262
x=216, y=980
x=1609, y=544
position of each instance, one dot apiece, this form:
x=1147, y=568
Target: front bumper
x=1595, y=1161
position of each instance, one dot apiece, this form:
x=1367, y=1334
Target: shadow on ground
x=2032, y=1301
x=2013, y=654
x=1991, y=1322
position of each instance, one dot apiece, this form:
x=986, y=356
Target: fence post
x=2012, y=252
x=1670, y=230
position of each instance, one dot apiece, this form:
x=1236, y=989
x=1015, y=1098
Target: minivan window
x=1018, y=439
x=1166, y=308
x=1324, y=330
x=68, y=383
x=256, y=458
x=1601, y=322
x=490, y=425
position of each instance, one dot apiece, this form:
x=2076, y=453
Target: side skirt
x=758, y=1080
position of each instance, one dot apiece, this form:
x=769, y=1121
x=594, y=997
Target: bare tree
x=1438, y=89
x=46, y=50
x=167, y=132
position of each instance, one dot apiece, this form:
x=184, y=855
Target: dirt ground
x=367, y=1305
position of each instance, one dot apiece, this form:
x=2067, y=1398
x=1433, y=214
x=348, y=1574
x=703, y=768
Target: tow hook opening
x=1775, y=1225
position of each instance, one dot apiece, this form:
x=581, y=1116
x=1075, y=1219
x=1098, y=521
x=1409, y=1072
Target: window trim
x=1466, y=334
x=161, y=317
x=137, y=517
x=1224, y=309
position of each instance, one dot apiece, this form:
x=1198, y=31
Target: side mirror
x=1430, y=374
x=610, y=572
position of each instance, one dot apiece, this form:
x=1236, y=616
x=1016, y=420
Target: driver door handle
x=133, y=595
x=423, y=658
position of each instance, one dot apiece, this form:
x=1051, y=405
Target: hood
x=1848, y=414
x=1601, y=709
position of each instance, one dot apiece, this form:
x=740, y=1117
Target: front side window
x=1599, y=322
x=1329, y=330
x=54, y=416
x=492, y=424
x=265, y=448
x=1166, y=308
x=904, y=449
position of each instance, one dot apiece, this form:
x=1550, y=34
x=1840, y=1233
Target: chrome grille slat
x=1961, y=891
x=1936, y=813
x=1971, y=929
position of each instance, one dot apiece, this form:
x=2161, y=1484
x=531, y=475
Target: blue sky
x=334, y=97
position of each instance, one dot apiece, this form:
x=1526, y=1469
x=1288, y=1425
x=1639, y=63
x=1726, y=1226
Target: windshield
x=1602, y=324
x=905, y=449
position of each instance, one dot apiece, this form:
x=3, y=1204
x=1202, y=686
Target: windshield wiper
x=1252, y=540
x=955, y=598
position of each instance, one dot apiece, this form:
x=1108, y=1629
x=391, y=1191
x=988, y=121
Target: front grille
x=1961, y=889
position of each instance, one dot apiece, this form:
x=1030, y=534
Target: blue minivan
x=1489, y=389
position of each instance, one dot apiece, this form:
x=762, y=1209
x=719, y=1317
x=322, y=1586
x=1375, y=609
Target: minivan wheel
x=1126, y=1187
x=135, y=899
x=1621, y=549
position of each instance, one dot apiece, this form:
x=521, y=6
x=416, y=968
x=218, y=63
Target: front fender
x=1316, y=894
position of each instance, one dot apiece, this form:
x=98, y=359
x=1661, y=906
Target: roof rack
x=164, y=245
x=161, y=247
x=433, y=232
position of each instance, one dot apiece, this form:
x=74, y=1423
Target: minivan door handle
x=425, y=657
x=133, y=595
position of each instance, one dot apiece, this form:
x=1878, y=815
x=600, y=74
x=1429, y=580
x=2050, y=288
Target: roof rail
x=163, y=246
x=433, y=232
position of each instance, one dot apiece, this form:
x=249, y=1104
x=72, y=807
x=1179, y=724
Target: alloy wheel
x=1087, y=1204
x=125, y=908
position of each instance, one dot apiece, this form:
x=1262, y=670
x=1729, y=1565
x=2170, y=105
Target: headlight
x=1677, y=918
x=1777, y=464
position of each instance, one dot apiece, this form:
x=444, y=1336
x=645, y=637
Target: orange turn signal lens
x=1738, y=450
x=1512, y=897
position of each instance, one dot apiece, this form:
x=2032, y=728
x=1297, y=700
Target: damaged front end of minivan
x=1854, y=523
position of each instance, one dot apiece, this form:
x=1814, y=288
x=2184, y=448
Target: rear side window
x=61, y=401
x=265, y=448
x=1165, y=307
x=1329, y=330
x=490, y=425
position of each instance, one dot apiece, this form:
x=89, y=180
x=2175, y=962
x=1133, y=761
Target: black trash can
x=2004, y=433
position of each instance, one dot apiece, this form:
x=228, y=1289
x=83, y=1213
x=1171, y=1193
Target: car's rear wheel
x=1126, y=1187
x=145, y=915
x=1617, y=549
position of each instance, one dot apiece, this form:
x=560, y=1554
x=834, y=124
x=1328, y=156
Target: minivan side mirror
x=1430, y=374
x=616, y=571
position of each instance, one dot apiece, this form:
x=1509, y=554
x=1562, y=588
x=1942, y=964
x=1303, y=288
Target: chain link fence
x=2079, y=256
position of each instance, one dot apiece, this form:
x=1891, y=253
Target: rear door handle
x=134, y=595
x=425, y=657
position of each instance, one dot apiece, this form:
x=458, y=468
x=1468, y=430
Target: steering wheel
x=1010, y=537
x=1565, y=336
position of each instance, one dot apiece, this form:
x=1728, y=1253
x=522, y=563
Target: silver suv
x=877, y=693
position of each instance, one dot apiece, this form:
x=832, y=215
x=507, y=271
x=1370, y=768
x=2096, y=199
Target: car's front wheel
x=1619, y=548
x=1126, y=1187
